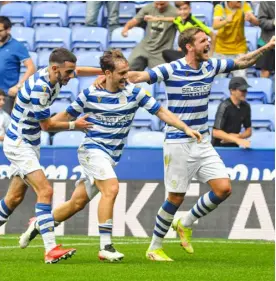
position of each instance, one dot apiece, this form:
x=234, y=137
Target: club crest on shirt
x=44, y=88
x=122, y=99
x=99, y=99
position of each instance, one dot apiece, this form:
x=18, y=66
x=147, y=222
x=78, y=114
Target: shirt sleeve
x=247, y=120
x=22, y=52
x=160, y=73
x=146, y=101
x=247, y=8
x=223, y=65
x=77, y=107
x=7, y=120
x=219, y=12
x=40, y=95
x=221, y=117
x=141, y=14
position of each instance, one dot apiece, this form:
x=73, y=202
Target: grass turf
x=214, y=259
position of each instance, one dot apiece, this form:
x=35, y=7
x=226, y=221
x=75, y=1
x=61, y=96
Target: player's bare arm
x=138, y=76
x=250, y=59
x=88, y=71
x=168, y=117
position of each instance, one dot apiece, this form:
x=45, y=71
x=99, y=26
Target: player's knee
x=176, y=198
x=111, y=192
x=46, y=192
x=226, y=190
x=13, y=200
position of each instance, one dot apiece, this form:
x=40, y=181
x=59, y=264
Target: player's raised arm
x=88, y=71
x=172, y=120
x=250, y=59
x=138, y=76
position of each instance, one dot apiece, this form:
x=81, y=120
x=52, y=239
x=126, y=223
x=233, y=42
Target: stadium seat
x=43, y=59
x=126, y=12
x=263, y=117
x=84, y=37
x=251, y=35
x=18, y=13
x=212, y=110
x=49, y=14
x=86, y=82
x=68, y=138
x=146, y=139
x=59, y=106
x=135, y=35
x=25, y=35
x=91, y=58
x=219, y=89
x=145, y=121
x=70, y=91
x=257, y=140
x=44, y=138
x=76, y=13
x=52, y=37
x=203, y=11
x=260, y=91
x=33, y=56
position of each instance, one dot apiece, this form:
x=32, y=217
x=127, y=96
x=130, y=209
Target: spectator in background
x=229, y=17
x=183, y=21
x=92, y=12
x=12, y=53
x=267, y=23
x=4, y=117
x=138, y=6
x=159, y=35
x=231, y=115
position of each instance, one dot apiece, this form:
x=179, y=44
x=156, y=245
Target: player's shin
x=5, y=212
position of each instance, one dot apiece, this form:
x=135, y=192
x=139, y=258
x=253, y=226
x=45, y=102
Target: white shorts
x=96, y=164
x=183, y=161
x=24, y=157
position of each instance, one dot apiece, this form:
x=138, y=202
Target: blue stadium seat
x=84, y=37
x=76, y=13
x=70, y=91
x=203, y=11
x=44, y=138
x=263, y=117
x=18, y=13
x=135, y=35
x=68, y=138
x=126, y=12
x=52, y=37
x=33, y=56
x=145, y=121
x=25, y=35
x=260, y=91
x=49, y=14
x=86, y=82
x=91, y=58
x=59, y=106
x=43, y=59
x=257, y=140
x=219, y=90
x=212, y=110
x=146, y=139
x=251, y=35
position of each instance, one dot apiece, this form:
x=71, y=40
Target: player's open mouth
x=206, y=51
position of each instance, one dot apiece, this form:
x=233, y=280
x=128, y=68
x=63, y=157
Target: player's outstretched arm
x=250, y=59
x=138, y=76
x=171, y=119
x=88, y=71
x=60, y=123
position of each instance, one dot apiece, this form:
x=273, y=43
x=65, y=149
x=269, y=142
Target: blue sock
x=5, y=212
x=46, y=225
x=205, y=204
x=164, y=220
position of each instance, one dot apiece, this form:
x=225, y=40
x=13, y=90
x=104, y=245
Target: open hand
x=99, y=82
x=194, y=134
x=82, y=124
x=243, y=143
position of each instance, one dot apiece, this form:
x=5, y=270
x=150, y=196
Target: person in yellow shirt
x=229, y=18
x=183, y=21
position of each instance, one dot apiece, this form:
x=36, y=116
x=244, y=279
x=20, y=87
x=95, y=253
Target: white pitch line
x=129, y=242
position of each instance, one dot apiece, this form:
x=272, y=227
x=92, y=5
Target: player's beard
x=61, y=81
x=4, y=38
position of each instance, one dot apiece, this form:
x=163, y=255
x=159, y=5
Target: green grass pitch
x=214, y=259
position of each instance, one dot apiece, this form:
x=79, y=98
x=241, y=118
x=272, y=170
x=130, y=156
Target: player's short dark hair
x=2, y=93
x=61, y=55
x=6, y=22
x=178, y=4
x=188, y=37
x=107, y=61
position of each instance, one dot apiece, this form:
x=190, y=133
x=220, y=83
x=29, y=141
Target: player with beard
x=188, y=83
x=30, y=115
x=111, y=110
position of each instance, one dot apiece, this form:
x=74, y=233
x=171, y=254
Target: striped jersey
x=112, y=115
x=188, y=92
x=32, y=105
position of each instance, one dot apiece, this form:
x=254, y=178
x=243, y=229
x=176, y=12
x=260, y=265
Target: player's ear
x=107, y=72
